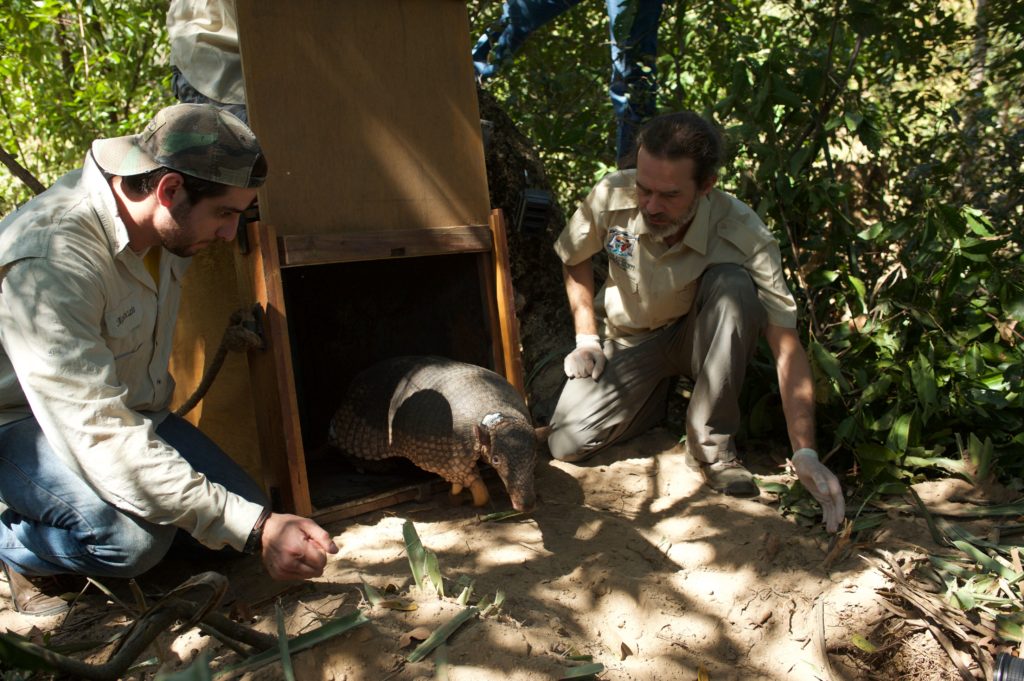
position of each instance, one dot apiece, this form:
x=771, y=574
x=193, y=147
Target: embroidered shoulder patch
x=620, y=247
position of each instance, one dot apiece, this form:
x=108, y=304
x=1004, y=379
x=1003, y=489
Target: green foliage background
x=881, y=141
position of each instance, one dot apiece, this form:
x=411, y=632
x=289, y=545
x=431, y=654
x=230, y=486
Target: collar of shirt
x=94, y=179
x=622, y=196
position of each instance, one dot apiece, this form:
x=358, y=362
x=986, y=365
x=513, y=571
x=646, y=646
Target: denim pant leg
x=186, y=94
x=633, y=25
x=519, y=18
x=56, y=523
x=714, y=347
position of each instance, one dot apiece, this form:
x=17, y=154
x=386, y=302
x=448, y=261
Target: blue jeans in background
x=186, y=94
x=633, y=26
x=56, y=523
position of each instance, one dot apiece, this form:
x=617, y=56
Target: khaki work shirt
x=204, y=47
x=651, y=285
x=86, y=340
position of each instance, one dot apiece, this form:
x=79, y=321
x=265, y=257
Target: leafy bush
x=71, y=72
x=890, y=173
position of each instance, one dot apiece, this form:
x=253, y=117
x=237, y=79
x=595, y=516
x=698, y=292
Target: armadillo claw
x=480, y=494
x=456, y=489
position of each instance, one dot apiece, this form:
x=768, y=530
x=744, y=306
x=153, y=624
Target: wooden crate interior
x=343, y=317
x=376, y=236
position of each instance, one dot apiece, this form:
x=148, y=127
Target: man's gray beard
x=662, y=233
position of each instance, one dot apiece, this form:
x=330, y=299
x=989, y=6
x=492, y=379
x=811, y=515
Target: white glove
x=823, y=486
x=587, y=359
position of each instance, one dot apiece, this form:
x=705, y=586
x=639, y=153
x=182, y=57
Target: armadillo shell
x=421, y=408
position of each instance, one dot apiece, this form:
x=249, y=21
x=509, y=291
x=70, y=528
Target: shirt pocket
x=123, y=322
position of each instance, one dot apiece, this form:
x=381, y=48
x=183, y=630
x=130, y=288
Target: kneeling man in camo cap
x=96, y=477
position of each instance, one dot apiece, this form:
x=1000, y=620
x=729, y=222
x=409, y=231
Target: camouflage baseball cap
x=196, y=139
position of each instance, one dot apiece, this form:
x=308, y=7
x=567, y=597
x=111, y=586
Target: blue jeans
x=56, y=523
x=186, y=94
x=633, y=26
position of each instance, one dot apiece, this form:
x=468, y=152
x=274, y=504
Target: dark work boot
x=727, y=477
x=28, y=599
x=730, y=477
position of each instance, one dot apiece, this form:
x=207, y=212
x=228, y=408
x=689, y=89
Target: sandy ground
x=627, y=559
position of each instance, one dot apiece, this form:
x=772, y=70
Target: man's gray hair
x=684, y=134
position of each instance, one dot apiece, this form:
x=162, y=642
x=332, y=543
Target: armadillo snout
x=524, y=504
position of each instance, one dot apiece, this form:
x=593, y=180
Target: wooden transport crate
x=375, y=235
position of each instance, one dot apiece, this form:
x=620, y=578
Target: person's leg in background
x=186, y=94
x=633, y=26
x=519, y=18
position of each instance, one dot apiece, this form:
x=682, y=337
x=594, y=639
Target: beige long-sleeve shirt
x=650, y=284
x=86, y=338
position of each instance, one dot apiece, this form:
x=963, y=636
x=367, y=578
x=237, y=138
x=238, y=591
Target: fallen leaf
x=417, y=634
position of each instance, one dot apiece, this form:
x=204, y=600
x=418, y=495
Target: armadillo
x=442, y=415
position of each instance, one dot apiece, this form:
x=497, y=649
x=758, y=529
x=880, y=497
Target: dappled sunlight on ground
x=628, y=559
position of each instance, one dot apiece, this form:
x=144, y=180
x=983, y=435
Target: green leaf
x=466, y=583
x=331, y=629
x=822, y=277
x=282, y=644
x=981, y=455
x=942, y=463
x=582, y=671
x=986, y=561
x=922, y=374
x=499, y=600
x=965, y=598
x=949, y=568
x=829, y=364
x=858, y=286
x=1009, y=629
x=977, y=222
x=373, y=596
x=863, y=643
x=441, y=634
x=879, y=387
x=415, y=552
x=899, y=434
x=798, y=160
x=866, y=522
x=433, y=572
x=441, y=663
x=772, y=487
x=872, y=232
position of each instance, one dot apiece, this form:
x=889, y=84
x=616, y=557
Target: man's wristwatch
x=254, y=544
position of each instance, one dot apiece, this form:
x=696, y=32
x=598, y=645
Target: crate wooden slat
x=316, y=249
